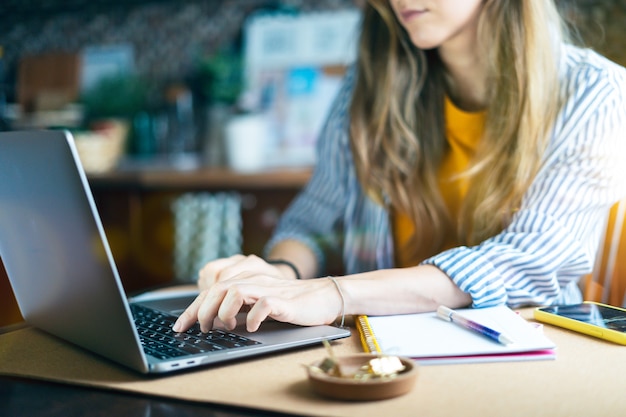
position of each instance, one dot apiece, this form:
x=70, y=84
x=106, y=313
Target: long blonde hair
x=397, y=119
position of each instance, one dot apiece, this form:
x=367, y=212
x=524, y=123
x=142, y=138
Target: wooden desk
x=586, y=379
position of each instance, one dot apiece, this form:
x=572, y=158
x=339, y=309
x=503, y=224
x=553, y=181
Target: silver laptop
x=65, y=280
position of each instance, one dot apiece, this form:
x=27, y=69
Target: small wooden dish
x=342, y=388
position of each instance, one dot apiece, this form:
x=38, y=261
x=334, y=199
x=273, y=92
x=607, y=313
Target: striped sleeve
x=552, y=240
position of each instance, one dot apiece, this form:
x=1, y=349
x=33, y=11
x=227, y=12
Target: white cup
x=247, y=140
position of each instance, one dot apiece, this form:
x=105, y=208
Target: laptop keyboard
x=159, y=340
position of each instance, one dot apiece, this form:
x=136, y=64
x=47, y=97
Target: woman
x=470, y=159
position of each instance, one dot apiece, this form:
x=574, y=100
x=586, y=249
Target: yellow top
x=463, y=132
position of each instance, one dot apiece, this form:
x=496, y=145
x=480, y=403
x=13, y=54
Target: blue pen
x=448, y=314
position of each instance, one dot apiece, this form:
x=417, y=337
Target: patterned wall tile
x=168, y=36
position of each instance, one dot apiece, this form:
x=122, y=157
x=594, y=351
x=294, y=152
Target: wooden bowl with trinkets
x=362, y=376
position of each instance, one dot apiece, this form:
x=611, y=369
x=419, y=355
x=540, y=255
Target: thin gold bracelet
x=343, y=301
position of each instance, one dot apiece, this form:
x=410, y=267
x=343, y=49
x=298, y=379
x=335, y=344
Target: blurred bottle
x=181, y=133
x=143, y=135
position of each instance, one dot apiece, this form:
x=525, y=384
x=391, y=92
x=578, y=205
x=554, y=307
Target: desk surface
x=587, y=378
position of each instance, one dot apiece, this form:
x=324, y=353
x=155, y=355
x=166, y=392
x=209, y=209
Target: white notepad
x=429, y=339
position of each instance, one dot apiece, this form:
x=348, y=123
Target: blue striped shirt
x=551, y=241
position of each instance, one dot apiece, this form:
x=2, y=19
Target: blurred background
x=176, y=71
x=195, y=120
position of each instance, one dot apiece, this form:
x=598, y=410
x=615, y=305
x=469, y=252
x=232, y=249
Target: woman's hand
x=307, y=303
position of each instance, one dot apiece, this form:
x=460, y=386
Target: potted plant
x=110, y=106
